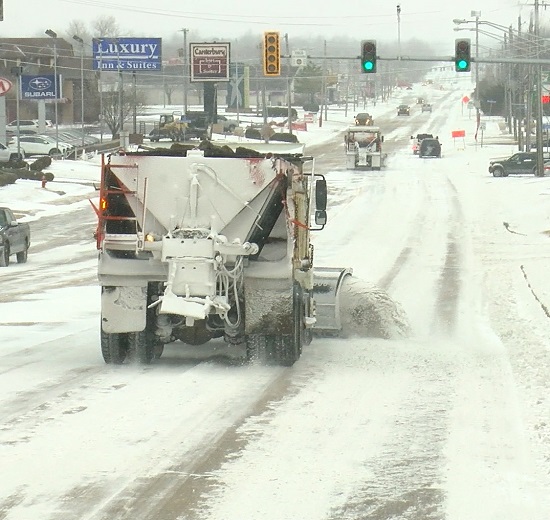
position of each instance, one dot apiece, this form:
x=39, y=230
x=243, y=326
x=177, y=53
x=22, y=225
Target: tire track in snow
x=449, y=284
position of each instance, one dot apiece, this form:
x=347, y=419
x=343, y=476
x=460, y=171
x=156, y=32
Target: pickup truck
x=418, y=139
x=15, y=238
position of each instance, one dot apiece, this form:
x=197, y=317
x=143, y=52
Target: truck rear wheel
x=140, y=347
x=114, y=347
x=280, y=350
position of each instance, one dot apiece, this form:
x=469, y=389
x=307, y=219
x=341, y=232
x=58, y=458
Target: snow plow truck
x=210, y=242
x=363, y=145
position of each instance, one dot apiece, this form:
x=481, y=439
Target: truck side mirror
x=382, y=139
x=320, y=195
x=320, y=217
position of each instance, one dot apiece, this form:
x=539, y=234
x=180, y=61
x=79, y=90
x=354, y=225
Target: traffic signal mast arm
x=450, y=59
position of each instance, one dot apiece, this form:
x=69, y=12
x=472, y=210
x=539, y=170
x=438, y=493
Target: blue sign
x=41, y=87
x=127, y=54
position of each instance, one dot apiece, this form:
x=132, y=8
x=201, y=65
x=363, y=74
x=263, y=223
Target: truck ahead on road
x=364, y=147
x=15, y=238
x=201, y=243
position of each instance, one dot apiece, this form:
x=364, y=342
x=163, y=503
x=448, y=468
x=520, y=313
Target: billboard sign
x=42, y=87
x=209, y=61
x=127, y=54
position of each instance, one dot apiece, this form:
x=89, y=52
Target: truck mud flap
x=327, y=282
x=123, y=309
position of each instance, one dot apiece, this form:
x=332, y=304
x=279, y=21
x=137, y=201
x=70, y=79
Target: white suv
x=26, y=125
x=41, y=145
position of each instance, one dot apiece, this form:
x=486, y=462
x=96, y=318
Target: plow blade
x=327, y=283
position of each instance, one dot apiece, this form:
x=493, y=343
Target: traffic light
x=462, y=55
x=272, y=54
x=368, y=56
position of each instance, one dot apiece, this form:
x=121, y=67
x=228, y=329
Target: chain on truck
x=198, y=244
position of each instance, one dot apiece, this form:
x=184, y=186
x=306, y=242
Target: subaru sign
x=122, y=54
x=40, y=87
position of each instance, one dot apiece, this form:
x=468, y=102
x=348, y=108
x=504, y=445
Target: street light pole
x=81, y=41
x=185, y=69
x=399, y=31
x=538, y=79
x=477, y=14
x=100, y=86
x=17, y=71
x=53, y=34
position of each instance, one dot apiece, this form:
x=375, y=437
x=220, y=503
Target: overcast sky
x=429, y=20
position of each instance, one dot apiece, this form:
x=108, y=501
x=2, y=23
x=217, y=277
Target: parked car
x=519, y=163
x=72, y=136
x=545, y=143
x=15, y=238
x=403, y=110
x=9, y=154
x=430, y=147
x=426, y=107
x=28, y=125
x=42, y=145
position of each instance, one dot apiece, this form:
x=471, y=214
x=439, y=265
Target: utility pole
x=53, y=34
x=538, y=90
x=324, y=87
x=477, y=14
x=81, y=41
x=185, y=59
x=398, y=79
x=289, y=85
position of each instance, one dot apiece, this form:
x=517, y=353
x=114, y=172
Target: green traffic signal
x=368, y=56
x=368, y=65
x=462, y=55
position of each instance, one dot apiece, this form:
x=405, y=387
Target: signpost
x=122, y=54
x=210, y=61
x=456, y=134
x=5, y=86
x=299, y=58
x=37, y=88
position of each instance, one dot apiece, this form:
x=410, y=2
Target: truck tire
x=140, y=347
x=279, y=350
x=114, y=347
x=282, y=349
x=302, y=335
x=308, y=331
x=5, y=257
x=22, y=255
